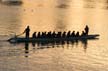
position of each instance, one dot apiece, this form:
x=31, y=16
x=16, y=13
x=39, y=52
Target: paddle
x=19, y=34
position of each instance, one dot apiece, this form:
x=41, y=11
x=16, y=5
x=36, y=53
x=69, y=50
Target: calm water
x=55, y=15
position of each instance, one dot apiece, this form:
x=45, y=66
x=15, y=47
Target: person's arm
x=24, y=31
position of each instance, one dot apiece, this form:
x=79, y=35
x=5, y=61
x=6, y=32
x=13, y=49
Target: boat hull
x=22, y=39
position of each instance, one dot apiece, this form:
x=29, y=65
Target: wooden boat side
x=22, y=39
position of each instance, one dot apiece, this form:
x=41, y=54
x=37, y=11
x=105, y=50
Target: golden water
x=55, y=15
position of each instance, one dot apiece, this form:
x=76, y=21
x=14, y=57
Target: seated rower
x=53, y=34
x=73, y=34
x=64, y=34
x=38, y=35
x=68, y=34
x=34, y=35
x=77, y=34
x=44, y=34
x=83, y=33
x=59, y=35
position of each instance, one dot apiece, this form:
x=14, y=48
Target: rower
x=73, y=34
x=38, y=35
x=83, y=33
x=68, y=34
x=27, y=31
x=34, y=35
x=77, y=34
x=49, y=34
x=58, y=35
x=64, y=34
x=53, y=34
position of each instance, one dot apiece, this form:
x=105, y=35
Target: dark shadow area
x=63, y=6
x=59, y=44
x=85, y=43
x=65, y=44
x=26, y=49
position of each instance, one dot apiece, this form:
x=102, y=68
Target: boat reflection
x=26, y=49
x=58, y=44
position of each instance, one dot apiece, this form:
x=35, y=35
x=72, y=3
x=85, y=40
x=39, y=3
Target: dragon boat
x=23, y=39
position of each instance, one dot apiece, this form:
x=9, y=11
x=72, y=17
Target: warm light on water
x=55, y=15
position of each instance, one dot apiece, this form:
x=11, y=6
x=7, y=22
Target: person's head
x=73, y=31
x=27, y=26
x=69, y=31
x=86, y=25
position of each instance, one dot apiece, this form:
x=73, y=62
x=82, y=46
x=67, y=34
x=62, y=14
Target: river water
x=54, y=15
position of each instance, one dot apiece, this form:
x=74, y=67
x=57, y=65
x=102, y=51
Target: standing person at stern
x=27, y=32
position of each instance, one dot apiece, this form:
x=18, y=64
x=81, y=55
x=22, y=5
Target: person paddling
x=34, y=35
x=27, y=32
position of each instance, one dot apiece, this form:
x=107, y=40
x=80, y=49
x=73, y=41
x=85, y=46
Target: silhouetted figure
x=64, y=34
x=34, y=35
x=44, y=34
x=73, y=34
x=68, y=34
x=38, y=35
x=59, y=35
x=77, y=34
x=53, y=34
x=27, y=31
x=86, y=30
x=49, y=34
x=83, y=33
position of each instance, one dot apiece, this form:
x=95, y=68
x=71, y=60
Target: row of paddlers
x=57, y=34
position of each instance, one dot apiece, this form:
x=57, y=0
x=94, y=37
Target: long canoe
x=23, y=39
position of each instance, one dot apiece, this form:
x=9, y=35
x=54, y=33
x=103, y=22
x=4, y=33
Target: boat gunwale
x=23, y=39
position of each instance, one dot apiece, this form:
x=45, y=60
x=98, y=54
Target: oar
x=19, y=34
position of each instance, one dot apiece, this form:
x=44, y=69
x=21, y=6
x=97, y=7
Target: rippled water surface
x=54, y=15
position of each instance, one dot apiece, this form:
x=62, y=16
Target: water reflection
x=96, y=4
x=10, y=19
x=54, y=44
x=84, y=42
x=62, y=6
x=65, y=44
x=89, y=4
x=26, y=49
